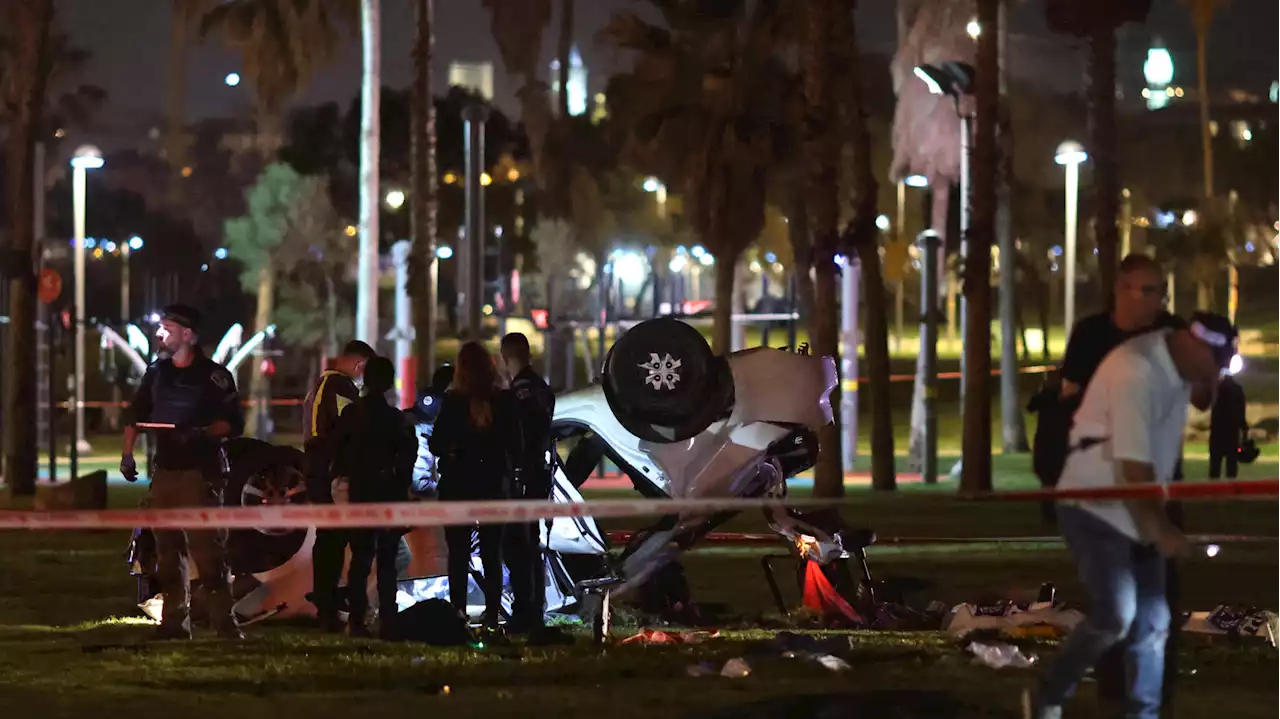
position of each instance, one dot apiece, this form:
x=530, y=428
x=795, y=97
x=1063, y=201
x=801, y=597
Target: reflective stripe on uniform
x=315, y=405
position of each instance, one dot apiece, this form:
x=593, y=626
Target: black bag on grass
x=434, y=622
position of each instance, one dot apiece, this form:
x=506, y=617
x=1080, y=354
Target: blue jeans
x=1125, y=582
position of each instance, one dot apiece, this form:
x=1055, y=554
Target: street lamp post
x=1070, y=154
x=87, y=158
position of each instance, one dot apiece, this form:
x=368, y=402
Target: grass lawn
x=68, y=647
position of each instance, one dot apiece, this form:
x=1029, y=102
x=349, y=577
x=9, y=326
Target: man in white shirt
x=1128, y=430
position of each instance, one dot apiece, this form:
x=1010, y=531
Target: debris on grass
x=966, y=618
x=735, y=668
x=653, y=636
x=999, y=655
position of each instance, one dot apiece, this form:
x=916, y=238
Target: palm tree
x=976, y=446
x=25, y=82
x=704, y=108
x=861, y=234
x=822, y=151
x=1098, y=20
x=370, y=102
x=184, y=15
x=422, y=172
x=282, y=44
x=517, y=27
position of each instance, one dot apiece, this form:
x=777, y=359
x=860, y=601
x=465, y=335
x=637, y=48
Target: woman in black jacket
x=476, y=442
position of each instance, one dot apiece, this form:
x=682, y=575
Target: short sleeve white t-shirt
x=1136, y=404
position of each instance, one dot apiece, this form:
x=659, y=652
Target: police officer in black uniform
x=196, y=399
x=523, y=551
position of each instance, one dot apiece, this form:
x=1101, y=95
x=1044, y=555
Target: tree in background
x=26, y=78
x=861, y=235
x=254, y=240
x=704, y=108
x=424, y=203
x=1098, y=21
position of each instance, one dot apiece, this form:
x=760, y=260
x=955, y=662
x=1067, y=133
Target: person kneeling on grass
x=374, y=452
x=1128, y=431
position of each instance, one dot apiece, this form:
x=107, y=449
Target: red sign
x=539, y=318
x=50, y=285
x=693, y=307
x=268, y=367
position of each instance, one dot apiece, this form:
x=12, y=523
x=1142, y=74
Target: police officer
x=536, y=404
x=333, y=392
x=197, y=396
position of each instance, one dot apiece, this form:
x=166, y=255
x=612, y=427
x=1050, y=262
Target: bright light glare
x=917, y=181
x=677, y=263
x=706, y=259
x=934, y=87
x=697, y=251
x=220, y=253
x=87, y=157
x=651, y=184
x=1236, y=365
x=1158, y=69
x=444, y=252
x=395, y=199
x=629, y=268
x=232, y=79
x=135, y=243
x=883, y=223
x=1212, y=550
x=1070, y=153
x=974, y=28
x=1189, y=218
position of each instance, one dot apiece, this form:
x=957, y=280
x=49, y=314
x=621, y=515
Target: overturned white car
x=676, y=420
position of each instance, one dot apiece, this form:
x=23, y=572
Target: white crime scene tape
x=396, y=514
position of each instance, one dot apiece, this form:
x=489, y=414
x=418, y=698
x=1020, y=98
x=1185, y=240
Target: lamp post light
x=1070, y=155
x=87, y=157
x=395, y=199
x=956, y=79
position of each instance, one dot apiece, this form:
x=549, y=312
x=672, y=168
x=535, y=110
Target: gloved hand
x=129, y=468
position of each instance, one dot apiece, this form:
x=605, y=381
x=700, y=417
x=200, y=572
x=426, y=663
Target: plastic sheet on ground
x=999, y=656
x=1010, y=617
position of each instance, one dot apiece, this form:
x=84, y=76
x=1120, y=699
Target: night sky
x=129, y=41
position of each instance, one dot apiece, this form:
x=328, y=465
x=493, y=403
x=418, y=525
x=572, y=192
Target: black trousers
x=522, y=552
x=367, y=547
x=327, y=555
x=457, y=541
x=1217, y=455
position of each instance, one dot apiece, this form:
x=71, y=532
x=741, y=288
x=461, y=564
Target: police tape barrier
x=1243, y=489
x=397, y=514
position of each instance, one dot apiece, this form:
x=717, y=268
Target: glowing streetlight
x=1071, y=154
x=917, y=181
x=87, y=157
x=444, y=252
x=974, y=28
x=232, y=79
x=395, y=199
x=485, y=179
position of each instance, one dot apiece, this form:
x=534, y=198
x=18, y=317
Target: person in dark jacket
x=333, y=392
x=196, y=398
x=423, y=416
x=477, y=445
x=522, y=546
x=374, y=451
x=1227, y=428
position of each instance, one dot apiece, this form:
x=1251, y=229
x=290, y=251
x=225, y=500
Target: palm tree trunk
x=1013, y=424
x=722, y=313
x=425, y=287
x=1102, y=102
x=562, y=52
x=864, y=238
x=27, y=79
x=822, y=150
x=331, y=316
x=976, y=447
x=370, y=99
x=258, y=390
